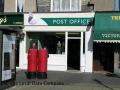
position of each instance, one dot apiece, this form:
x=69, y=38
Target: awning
x=107, y=27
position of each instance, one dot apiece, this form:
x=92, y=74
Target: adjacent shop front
x=67, y=37
x=10, y=28
x=106, y=47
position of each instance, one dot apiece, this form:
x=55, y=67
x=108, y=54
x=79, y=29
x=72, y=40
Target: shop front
x=106, y=47
x=67, y=37
x=10, y=27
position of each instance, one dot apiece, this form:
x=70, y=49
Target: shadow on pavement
x=112, y=75
x=99, y=82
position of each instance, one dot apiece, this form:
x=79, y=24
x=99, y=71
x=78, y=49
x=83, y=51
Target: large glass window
x=55, y=42
x=65, y=5
x=56, y=5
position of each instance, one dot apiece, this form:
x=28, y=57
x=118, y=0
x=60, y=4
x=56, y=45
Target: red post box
x=42, y=63
x=32, y=63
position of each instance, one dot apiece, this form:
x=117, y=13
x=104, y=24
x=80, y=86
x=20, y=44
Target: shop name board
x=68, y=21
x=115, y=17
x=12, y=20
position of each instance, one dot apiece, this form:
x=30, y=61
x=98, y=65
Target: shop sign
x=11, y=20
x=68, y=21
x=60, y=20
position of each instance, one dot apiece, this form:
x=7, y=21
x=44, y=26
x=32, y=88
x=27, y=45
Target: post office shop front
x=67, y=37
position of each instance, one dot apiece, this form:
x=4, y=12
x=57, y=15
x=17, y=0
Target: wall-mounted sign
x=68, y=21
x=59, y=19
x=11, y=20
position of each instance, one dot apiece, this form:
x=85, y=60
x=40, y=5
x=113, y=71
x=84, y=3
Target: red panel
x=32, y=60
x=42, y=60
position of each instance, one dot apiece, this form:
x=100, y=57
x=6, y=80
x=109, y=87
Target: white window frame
x=52, y=10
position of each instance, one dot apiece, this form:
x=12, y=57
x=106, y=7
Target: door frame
x=81, y=48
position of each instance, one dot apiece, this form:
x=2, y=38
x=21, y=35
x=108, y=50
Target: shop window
x=65, y=5
x=54, y=42
x=43, y=5
x=74, y=34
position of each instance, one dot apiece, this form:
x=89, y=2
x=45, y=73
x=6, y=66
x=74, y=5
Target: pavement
x=68, y=80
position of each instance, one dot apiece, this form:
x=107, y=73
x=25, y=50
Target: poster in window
x=8, y=59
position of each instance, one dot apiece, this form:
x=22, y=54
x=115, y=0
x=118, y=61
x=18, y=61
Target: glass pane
x=75, y=5
x=55, y=42
x=56, y=5
x=65, y=5
x=74, y=34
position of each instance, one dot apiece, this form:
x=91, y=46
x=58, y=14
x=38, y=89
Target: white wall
x=57, y=62
x=22, y=54
x=89, y=51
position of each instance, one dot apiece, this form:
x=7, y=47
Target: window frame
x=52, y=7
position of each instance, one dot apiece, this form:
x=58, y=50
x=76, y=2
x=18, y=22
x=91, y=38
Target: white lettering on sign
x=111, y=35
x=73, y=21
x=3, y=20
x=58, y=21
x=81, y=21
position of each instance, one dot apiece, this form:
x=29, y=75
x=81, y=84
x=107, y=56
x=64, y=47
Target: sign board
x=11, y=19
x=59, y=19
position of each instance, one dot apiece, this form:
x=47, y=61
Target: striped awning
x=107, y=41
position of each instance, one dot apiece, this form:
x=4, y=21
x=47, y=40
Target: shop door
x=73, y=62
x=8, y=56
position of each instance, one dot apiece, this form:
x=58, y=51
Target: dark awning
x=107, y=27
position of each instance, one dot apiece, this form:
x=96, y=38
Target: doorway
x=103, y=57
x=73, y=60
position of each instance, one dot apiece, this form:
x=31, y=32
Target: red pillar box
x=32, y=63
x=42, y=63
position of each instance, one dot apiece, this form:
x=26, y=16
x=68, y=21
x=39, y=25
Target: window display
x=55, y=42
